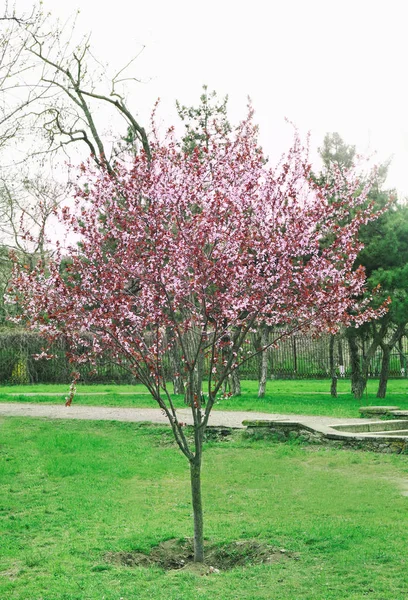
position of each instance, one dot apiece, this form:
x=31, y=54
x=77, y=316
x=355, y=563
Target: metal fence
x=18, y=364
x=305, y=357
x=297, y=357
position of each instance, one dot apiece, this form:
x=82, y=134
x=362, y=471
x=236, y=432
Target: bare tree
x=55, y=96
x=26, y=208
x=54, y=87
x=14, y=67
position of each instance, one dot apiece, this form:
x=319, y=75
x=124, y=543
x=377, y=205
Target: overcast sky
x=327, y=66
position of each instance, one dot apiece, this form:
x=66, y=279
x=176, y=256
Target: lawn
x=73, y=492
x=309, y=397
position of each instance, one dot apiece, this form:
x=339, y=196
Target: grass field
x=309, y=397
x=72, y=492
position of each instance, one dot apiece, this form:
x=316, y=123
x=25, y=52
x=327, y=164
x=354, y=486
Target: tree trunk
x=358, y=382
x=340, y=351
x=385, y=363
x=359, y=385
x=359, y=372
x=196, y=382
x=232, y=382
x=264, y=362
x=235, y=383
x=403, y=359
x=332, y=366
x=178, y=383
x=385, y=371
x=195, y=472
x=175, y=365
x=225, y=386
x=342, y=367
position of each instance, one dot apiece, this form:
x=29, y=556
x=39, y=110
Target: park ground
x=77, y=496
x=307, y=397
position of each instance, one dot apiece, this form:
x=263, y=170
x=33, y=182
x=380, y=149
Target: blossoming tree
x=207, y=245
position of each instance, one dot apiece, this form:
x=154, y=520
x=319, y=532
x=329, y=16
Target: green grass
x=309, y=397
x=72, y=491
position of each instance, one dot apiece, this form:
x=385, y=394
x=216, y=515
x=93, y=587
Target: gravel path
x=153, y=415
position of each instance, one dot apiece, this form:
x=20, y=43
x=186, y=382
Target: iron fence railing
x=297, y=357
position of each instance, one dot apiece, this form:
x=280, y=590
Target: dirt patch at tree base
x=176, y=554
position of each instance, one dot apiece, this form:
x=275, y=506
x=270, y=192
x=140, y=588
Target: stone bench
x=377, y=411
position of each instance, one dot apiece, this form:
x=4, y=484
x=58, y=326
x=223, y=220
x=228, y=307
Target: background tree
x=385, y=258
x=29, y=206
x=207, y=244
x=335, y=154
x=392, y=276
x=202, y=122
x=27, y=215
x=385, y=248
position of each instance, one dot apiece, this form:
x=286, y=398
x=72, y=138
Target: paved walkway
x=153, y=415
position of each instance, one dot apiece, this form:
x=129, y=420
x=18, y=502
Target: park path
x=153, y=415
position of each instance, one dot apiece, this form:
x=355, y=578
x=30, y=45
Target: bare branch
x=46, y=71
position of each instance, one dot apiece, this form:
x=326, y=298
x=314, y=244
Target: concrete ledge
x=396, y=414
x=328, y=435
x=375, y=411
x=374, y=426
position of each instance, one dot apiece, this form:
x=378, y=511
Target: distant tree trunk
x=360, y=369
x=178, y=383
x=386, y=348
x=342, y=368
x=194, y=384
x=232, y=383
x=198, y=384
x=264, y=361
x=235, y=383
x=402, y=357
x=332, y=365
x=340, y=351
x=357, y=381
x=385, y=371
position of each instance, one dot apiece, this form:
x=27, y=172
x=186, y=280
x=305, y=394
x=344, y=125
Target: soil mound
x=178, y=554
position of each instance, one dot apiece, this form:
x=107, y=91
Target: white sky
x=326, y=65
